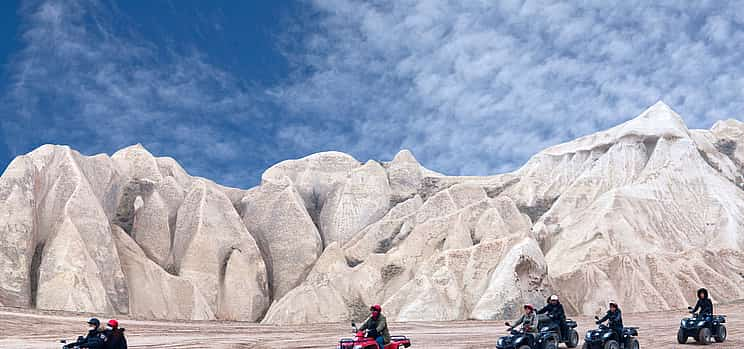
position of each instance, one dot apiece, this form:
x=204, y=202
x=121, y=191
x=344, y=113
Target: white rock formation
x=645, y=213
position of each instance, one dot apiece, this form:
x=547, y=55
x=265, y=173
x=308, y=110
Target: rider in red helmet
x=115, y=335
x=377, y=326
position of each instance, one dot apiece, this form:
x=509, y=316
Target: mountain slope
x=645, y=213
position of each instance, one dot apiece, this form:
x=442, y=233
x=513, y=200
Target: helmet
x=94, y=322
x=113, y=323
x=376, y=307
x=529, y=306
x=613, y=303
x=554, y=298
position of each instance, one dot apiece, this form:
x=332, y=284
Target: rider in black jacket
x=704, y=304
x=95, y=339
x=615, y=319
x=557, y=315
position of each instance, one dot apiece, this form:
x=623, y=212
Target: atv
x=570, y=338
x=704, y=328
x=361, y=341
x=522, y=340
x=606, y=338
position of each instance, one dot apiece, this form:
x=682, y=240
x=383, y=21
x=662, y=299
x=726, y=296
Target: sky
x=229, y=88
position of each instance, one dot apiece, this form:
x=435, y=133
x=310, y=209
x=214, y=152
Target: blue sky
x=229, y=88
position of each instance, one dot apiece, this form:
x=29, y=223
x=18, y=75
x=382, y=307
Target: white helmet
x=554, y=298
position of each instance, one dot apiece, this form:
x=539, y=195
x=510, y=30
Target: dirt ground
x=44, y=330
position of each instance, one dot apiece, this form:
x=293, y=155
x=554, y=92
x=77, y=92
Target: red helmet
x=376, y=307
x=529, y=306
x=113, y=323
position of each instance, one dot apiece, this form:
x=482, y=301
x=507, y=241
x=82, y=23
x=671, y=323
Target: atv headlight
x=357, y=346
x=500, y=342
x=701, y=323
x=682, y=323
x=588, y=335
x=607, y=335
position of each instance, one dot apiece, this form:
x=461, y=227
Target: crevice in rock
x=390, y=271
x=384, y=245
x=494, y=191
x=34, y=271
x=536, y=211
x=352, y=262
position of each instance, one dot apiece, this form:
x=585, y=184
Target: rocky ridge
x=643, y=213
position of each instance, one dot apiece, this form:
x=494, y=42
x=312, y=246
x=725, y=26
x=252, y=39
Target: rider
x=557, y=315
x=377, y=326
x=115, y=335
x=704, y=303
x=528, y=320
x=95, y=339
x=615, y=317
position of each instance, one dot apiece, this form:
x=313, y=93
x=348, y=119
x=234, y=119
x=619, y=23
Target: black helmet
x=95, y=322
x=703, y=291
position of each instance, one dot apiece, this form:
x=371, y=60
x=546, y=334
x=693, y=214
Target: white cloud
x=83, y=81
x=476, y=87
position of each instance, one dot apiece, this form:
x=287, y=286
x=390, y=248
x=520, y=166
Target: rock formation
x=645, y=213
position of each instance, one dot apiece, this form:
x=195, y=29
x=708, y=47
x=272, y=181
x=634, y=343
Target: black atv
x=605, y=338
x=570, y=338
x=521, y=340
x=704, y=328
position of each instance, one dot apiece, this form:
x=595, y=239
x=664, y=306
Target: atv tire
x=573, y=339
x=524, y=347
x=634, y=344
x=681, y=338
x=585, y=346
x=551, y=345
x=612, y=344
x=720, y=337
x=704, y=336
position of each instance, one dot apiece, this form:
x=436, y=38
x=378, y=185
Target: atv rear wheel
x=720, y=337
x=573, y=339
x=612, y=344
x=681, y=337
x=634, y=344
x=704, y=336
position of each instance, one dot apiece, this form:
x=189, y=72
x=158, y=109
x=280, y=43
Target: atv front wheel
x=704, y=336
x=634, y=344
x=612, y=344
x=551, y=345
x=573, y=339
x=681, y=337
x=585, y=346
x=721, y=335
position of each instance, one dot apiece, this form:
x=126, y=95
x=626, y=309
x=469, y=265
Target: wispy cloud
x=84, y=81
x=472, y=87
x=476, y=87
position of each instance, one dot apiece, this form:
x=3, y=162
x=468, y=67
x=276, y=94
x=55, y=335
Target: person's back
x=115, y=336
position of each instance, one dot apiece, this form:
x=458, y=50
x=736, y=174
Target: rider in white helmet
x=555, y=312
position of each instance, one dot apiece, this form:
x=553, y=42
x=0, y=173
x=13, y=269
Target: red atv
x=361, y=341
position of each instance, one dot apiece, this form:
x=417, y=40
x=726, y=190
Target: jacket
x=615, y=319
x=705, y=305
x=555, y=311
x=528, y=322
x=115, y=339
x=377, y=326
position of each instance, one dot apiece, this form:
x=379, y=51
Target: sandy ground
x=44, y=330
